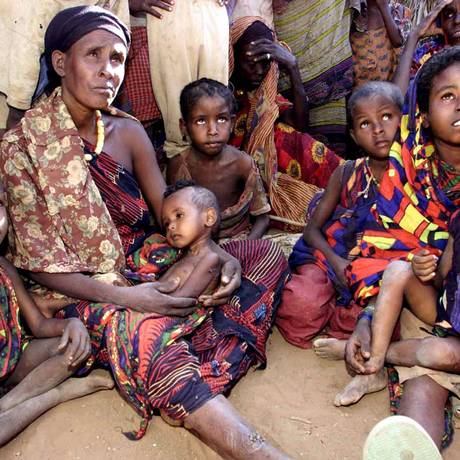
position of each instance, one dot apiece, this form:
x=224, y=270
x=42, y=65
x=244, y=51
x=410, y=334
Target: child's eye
x=448, y=14
x=447, y=96
x=179, y=215
x=94, y=52
x=200, y=121
x=222, y=119
x=386, y=116
x=364, y=124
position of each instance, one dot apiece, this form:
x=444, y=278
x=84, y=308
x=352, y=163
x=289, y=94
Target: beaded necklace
x=100, y=137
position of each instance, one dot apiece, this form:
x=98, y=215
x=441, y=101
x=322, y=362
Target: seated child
x=37, y=367
x=208, y=112
x=320, y=258
x=377, y=36
x=190, y=216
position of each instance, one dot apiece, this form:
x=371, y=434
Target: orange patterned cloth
x=58, y=221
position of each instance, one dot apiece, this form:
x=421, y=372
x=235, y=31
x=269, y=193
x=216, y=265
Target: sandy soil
x=290, y=402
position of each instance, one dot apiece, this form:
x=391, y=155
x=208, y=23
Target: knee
x=438, y=353
x=398, y=271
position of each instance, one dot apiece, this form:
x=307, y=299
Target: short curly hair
x=201, y=196
x=375, y=88
x=430, y=70
x=204, y=87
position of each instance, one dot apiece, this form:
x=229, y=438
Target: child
x=333, y=231
x=207, y=108
x=38, y=367
x=379, y=32
x=190, y=215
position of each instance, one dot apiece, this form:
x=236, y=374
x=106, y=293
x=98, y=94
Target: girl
x=38, y=366
x=208, y=113
x=319, y=259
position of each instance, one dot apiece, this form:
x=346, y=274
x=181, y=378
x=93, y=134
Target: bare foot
x=359, y=386
x=330, y=348
x=374, y=364
x=77, y=387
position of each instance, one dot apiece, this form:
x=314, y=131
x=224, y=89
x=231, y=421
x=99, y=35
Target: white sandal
x=399, y=438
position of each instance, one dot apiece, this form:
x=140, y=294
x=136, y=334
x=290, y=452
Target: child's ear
x=58, y=60
x=233, y=121
x=352, y=134
x=425, y=121
x=183, y=127
x=211, y=217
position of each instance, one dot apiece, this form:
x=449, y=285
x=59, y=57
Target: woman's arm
x=260, y=227
x=146, y=297
x=297, y=116
x=145, y=167
x=313, y=234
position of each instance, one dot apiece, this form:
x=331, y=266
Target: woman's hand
x=140, y=7
x=230, y=280
x=266, y=49
x=424, y=265
x=154, y=298
x=358, y=347
x=75, y=341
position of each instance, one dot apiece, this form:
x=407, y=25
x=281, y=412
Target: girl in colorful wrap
x=418, y=197
x=82, y=185
x=317, y=299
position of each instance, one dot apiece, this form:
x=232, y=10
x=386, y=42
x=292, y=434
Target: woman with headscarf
x=80, y=186
x=292, y=164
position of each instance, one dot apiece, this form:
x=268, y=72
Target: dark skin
x=379, y=15
x=252, y=66
x=443, y=9
x=222, y=169
x=91, y=73
x=154, y=7
x=374, y=126
x=189, y=227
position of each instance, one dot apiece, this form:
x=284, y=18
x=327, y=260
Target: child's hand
x=339, y=268
x=424, y=265
x=75, y=340
x=425, y=25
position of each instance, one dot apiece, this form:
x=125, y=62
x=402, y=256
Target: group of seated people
x=169, y=278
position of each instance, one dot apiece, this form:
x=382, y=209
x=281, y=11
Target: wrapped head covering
x=66, y=28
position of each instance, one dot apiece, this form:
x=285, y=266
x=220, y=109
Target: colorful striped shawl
x=412, y=210
x=344, y=229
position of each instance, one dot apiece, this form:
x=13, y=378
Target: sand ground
x=290, y=403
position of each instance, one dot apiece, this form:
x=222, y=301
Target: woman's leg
x=222, y=428
x=424, y=400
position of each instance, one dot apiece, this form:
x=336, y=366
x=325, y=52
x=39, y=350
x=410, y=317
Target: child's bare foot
x=359, y=386
x=77, y=387
x=330, y=348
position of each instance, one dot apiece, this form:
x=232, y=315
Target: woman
x=80, y=185
x=292, y=164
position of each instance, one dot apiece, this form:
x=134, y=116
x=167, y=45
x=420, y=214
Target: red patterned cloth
x=138, y=84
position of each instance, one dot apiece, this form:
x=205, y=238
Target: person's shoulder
x=241, y=160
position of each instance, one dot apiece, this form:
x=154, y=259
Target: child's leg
x=14, y=420
x=440, y=354
x=423, y=400
x=40, y=368
x=398, y=282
